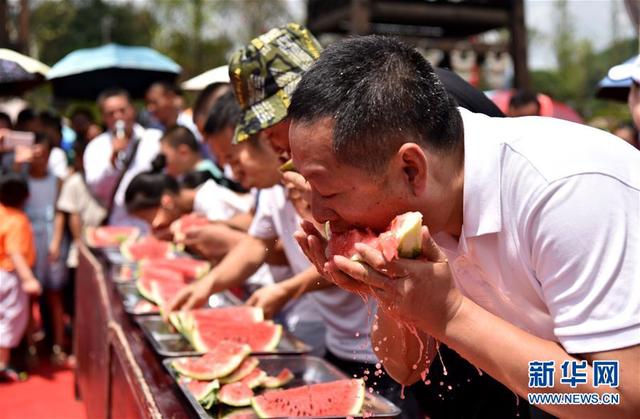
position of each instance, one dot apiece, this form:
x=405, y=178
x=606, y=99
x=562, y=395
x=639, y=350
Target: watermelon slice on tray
x=261, y=336
x=182, y=225
x=237, y=314
x=146, y=248
x=403, y=238
x=247, y=366
x=283, y=378
x=335, y=398
x=189, y=267
x=203, y=391
x=236, y=394
x=221, y=360
x=109, y=236
x=150, y=275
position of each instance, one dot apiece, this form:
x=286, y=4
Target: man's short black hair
x=179, y=135
x=84, y=111
x=225, y=113
x=112, y=92
x=522, y=98
x=380, y=94
x=167, y=87
x=204, y=100
x=14, y=190
x=25, y=116
x=51, y=120
x=146, y=189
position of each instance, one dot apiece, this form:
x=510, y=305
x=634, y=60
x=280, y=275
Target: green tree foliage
x=580, y=68
x=62, y=26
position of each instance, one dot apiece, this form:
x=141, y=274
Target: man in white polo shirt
x=535, y=258
x=114, y=157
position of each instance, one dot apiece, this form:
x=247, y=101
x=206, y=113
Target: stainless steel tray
x=123, y=272
x=168, y=342
x=136, y=304
x=307, y=370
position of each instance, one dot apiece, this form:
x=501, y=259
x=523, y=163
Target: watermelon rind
x=175, y=318
x=225, y=397
x=146, y=293
x=255, y=378
x=284, y=377
x=247, y=366
x=207, y=392
x=261, y=404
x=409, y=234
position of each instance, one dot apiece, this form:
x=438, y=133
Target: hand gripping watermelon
x=279, y=380
x=221, y=360
x=261, y=337
x=109, y=236
x=145, y=248
x=335, y=398
x=403, y=238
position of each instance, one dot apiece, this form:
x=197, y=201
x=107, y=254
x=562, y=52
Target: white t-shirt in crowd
x=346, y=316
x=551, y=234
x=101, y=176
x=219, y=203
x=57, y=163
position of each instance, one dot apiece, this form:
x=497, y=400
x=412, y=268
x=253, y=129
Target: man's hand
x=299, y=193
x=54, y=252
x=192, y=296
x=270, y=298
x=213, y=241
x=32, y=287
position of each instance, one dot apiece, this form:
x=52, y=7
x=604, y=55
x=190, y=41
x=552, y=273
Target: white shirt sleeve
x=263, y=225
x=585, y=249
x=100, y=174
x=57, y=163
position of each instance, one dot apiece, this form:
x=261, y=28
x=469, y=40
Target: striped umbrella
x=19, y=73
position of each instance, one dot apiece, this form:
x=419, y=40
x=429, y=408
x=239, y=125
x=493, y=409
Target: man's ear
x=413, y=164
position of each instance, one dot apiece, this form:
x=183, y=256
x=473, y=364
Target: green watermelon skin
x=335, y=398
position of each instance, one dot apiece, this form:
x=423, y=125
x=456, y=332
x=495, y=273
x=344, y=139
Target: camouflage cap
x=265, y=73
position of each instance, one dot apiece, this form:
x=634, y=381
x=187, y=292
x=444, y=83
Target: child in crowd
x=17, y=257
x=48, y=226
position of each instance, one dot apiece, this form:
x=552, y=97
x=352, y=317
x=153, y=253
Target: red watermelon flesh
x=403, y=238
x=189, y=267
x=163, y=292
x=221, y=360
x=335, y=398
x=201, y=389
x=236, y=394
x=247, y=366
x=150, y=275
x=255, y=378
x=236, y=314
x=181, y=226
x=261, y=337
x=146, y=248
x=107, y=236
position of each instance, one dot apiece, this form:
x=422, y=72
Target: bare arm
x=58, y=233
x=29, y=282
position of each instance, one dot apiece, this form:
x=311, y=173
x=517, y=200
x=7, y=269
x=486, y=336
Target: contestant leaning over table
x=347, y=317
x=535, y=249
x=114, y=157
x=182, y=154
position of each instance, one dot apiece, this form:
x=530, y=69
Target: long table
x=117, y=373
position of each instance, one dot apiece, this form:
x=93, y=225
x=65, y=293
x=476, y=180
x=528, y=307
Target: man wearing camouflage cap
x=264, y=75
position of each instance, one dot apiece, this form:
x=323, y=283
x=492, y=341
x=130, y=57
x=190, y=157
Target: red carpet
x=47, y=393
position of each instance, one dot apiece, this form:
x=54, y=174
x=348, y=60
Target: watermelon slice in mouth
x=335, y=398
x=402, y=239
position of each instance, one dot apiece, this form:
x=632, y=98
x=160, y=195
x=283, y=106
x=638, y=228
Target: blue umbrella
x=615, y=89
x=84, y=73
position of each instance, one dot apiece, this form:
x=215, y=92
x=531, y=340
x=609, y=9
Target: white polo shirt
x=551, y=234
x=346, y=317
x=101, y=176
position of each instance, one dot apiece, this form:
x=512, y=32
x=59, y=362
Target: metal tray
x=168, y=342
x=123, y=272
x=136, y=304
x=307, y=370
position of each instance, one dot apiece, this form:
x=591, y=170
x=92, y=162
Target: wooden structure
x=117, y=373
x=444, y=25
